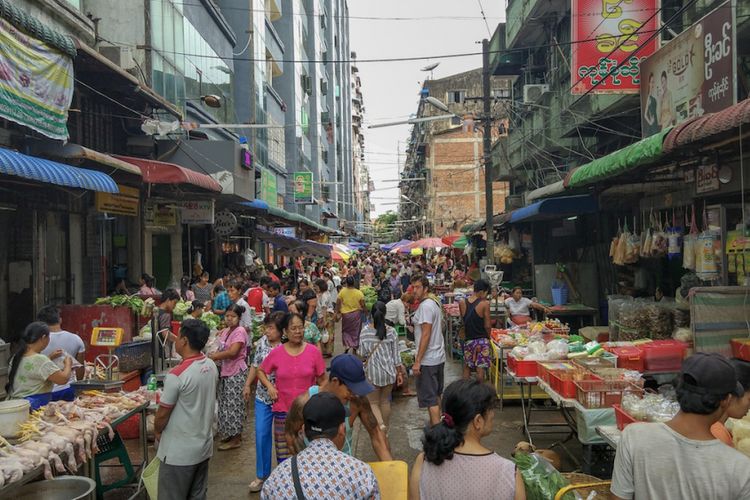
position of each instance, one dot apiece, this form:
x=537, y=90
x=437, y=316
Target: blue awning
x=556, y=208
x=256, y=204
x=52, y=172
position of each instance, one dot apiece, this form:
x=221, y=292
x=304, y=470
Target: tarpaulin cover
x=161, y=172
x=390, y=246
x=52, y=172
x=639, y=153
x=257, y=204
x=554, y=208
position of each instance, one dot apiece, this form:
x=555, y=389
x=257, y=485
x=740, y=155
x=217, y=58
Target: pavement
x=232, y=471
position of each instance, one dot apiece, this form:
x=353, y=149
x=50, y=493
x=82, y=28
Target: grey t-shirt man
x=430, y=312
x=72, y=345
x=190, y=390
x=654, y=461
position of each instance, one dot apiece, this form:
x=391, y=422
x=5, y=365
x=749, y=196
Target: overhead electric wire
x=481, y=10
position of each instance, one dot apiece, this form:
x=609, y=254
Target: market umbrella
x=426, y=243
x=402, y=246
x=450, y=239
x=390, y=246
x=461, y=242
x=340, y=252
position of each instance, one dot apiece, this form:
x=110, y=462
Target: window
x=75, y=3
x=456, y=97
x=501, y=93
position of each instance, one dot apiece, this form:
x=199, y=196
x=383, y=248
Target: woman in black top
x=475, y=312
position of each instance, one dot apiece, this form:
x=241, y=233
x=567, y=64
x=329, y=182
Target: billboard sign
x=692, y=74
x=303, y=188
x=609, y=34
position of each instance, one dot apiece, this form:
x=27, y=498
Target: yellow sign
x=123, y=203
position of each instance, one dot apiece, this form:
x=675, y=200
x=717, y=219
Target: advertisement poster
x=691, y=75
x=609, y=34
x=197, y=212
x=303, y=188
x=36, y=83
x=268, y=191
x=159, y=215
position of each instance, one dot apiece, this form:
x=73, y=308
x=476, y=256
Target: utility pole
x=487, y=143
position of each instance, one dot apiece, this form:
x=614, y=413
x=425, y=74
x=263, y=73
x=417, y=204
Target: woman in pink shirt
x=297, y=366
x=232, y=354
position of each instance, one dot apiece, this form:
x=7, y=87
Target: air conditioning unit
x=121, y=56
x=323, y=87
x=513, y=202
x=532, y=93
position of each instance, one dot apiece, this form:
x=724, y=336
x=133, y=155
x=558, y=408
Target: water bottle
x=151, y=386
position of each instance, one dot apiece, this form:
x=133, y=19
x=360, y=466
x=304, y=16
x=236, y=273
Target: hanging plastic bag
x=633, y=249
x=659, y=243
x=621, y=250
x=707, y=267
x=689, y=243
x=647, y=242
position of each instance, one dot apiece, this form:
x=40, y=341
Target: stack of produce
x=135, y=303
x=371, y=296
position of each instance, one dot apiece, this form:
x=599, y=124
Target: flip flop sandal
x=256, y=485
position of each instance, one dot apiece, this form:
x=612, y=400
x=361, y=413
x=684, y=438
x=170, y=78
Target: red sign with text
x=609, y=34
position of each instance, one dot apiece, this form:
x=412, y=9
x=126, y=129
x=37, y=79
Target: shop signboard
x=609, y=34
x=197, y=212
x=160, y=215
x=123, y=203
x=268, y=188
x=36, y=83
x=692, y=74
x=303, y=188
x=289, y=232
x=707, y=178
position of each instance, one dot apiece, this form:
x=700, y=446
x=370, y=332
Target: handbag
x=367, y=359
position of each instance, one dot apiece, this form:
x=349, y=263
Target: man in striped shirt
x=348, y=382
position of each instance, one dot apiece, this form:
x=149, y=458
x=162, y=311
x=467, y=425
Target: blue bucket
x=560, y=296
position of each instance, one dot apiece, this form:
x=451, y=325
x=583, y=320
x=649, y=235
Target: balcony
x=501, y=62
x=274, y=49
x=525, y=26
x=275, y=106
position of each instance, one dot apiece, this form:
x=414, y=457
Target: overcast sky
x=431, y=28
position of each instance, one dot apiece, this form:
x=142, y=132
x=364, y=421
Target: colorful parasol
x=341, y=253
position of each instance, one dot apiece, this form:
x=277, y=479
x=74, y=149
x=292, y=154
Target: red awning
x=708, y=125
x=161, y=172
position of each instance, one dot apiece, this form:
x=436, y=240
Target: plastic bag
x=613, y=247
x=537, y=347
x=621, y=249
x=541, y=479
x=632, y=249
x=646, y=243
x=674, y=234
x=707, y=267
x=557, y=349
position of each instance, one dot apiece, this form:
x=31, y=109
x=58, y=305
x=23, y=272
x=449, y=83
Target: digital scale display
x=106, y=337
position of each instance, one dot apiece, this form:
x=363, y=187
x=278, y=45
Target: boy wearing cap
x=347, y=381
x=680, y=458
x=321, y=470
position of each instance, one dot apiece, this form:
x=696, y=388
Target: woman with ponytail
x=32, y=374
x=454, y=463
x=382, y=362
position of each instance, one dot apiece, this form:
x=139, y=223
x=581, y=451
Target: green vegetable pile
x=180, y=310
x=212, y=321
x=135, y=303
x=371, y=296
x=407, y=358
x=257, y=331
x=542, y=481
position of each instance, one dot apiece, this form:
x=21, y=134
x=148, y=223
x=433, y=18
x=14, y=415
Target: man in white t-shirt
x=681, y=458
x=70, y=344
x=429, y=362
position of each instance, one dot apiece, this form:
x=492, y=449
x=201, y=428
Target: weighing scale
x=111, y=338
x=495, y=277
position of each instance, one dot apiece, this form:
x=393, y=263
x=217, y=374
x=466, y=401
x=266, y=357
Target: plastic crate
x=629, y=357
x=564, y=382
x=523, y=368
x=607, y=360
x=603, y=393
x=130, y=428
x=663, y=355
x=622, y=417
x=741, y=348
x=544, y=369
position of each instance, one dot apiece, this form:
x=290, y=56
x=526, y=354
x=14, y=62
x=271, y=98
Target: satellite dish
x=430, y=67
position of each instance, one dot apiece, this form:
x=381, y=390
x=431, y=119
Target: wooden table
x=579, y=311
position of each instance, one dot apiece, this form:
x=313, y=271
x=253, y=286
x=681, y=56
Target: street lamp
x=437, y=103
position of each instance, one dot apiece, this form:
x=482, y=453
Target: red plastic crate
x=131, y=428
x=603, y=393
x=563, y=384
x=545, y=368
x=663, y=355
x=629, y=357
x=622, y=418
x=741, y=348
x=523, y=368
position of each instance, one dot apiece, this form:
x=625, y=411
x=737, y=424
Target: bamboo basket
x=584, y=484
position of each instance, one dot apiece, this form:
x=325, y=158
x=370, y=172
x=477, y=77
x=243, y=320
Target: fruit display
x=371, y=296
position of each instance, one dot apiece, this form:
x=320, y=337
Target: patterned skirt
x=279, y=436
x=351, y=326
x=231, y=405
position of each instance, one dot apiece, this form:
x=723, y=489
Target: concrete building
x=442, y=183
x=361, y=174
x=316, y=92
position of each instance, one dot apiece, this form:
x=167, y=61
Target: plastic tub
x=629, y=357
x=12, y=414
x=521, y=368
x=560, y=296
